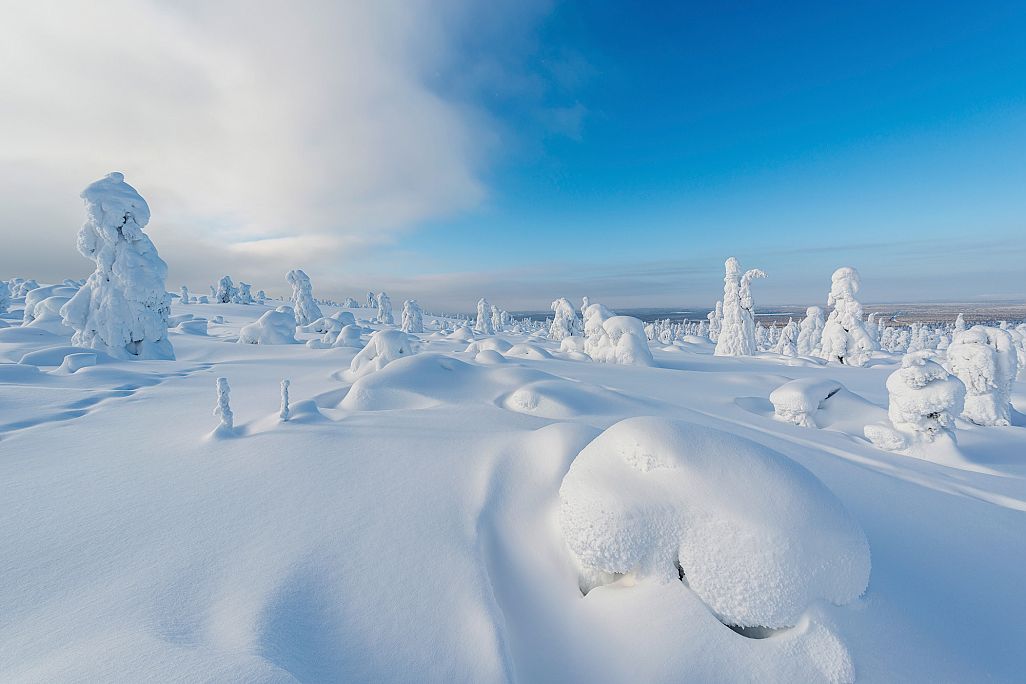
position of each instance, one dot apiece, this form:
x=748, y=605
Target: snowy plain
x=410, y=524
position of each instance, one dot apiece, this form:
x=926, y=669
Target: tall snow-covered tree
x=737, y=331
x=810, y=332
x=985, y=360
x=413, y=317
x=483, y=322
x=303, y=305
x=385, y=309
x=845, y=339
x=225, y=291
x=787, y=343
x=122, y=309
x=5, y=296
x=715, y=318
x=564, y=320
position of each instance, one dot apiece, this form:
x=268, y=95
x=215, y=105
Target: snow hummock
x=798, y=400
x=382, y=348
x=273, y=327
x=123, y=307
x=757, y=537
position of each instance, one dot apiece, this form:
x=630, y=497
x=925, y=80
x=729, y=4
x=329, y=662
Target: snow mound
x=462, y=334
x=194, y=326
x=528, y=351
x=77, y=361
x=55, y=356
x=560, y=399
x=383, y=347
x=757, y=537
x=491, y=343
x=489, y=357
x=349, y=336
x=274, y=327
x=798, y=400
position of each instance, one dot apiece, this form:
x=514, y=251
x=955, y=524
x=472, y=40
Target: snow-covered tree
x=787, y=343
x=261, y=296
x=303, y=305
x=383, y=347
x=351, y=303
x=122, y=309
x=715, y=322
x=242, y=294
x=385, y=309
x=483, y=323
x=497, y=319
x=372, y=301
x=223, y=409
x=617, y=339
x=564, y=320
x=960, y=323
x=985, y=360
x=413, y=317
x=737, y=330
x=923, y=401
x=225, y=291
x=845, y=339
x=184, y=295
x=5, y=296
x=810, y=332
x=285, y=412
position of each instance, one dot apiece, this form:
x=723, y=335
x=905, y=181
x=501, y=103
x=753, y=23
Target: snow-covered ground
x=415, y=520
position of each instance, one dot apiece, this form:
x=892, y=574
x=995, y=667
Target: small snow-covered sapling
x=285, y=413
x=223, y=409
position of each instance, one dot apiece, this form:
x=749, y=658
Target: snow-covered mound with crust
x=757, y=537
x=798, y=401
x=274, y=327
x=382, y=348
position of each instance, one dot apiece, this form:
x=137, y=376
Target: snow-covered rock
x=757, y=537
x=798, y=401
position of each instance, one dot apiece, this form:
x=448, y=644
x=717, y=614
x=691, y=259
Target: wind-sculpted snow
x=383, y=347
x=798, y=401
x=274, y=327
x=757, y=537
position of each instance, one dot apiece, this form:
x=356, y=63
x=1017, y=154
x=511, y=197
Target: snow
x=274, y=327
x=303, y=304
x=798, y=401
x=123, y=307
x=405, y=524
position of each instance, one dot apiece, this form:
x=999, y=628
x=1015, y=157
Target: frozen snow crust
x=758, y=538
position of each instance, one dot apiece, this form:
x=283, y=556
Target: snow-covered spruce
x=845, y=338
x=621, y=340
x=243, y=294
x=483, y=322
x=737, y=329
x=225, y=292
x=274, y=327
x=382, y=348
x=283, y=413
x=757, y=537
x=5, y=296
x=810, y=332
x=122, y=309
x=787, y=343
x=303, y=305
x=715, y=321
x=985, y=360
x=923, y=398
x=223, y=409
x=413, y=317
x=184, y=298
x=564, y=320
x=798, y=400
x=372, y=301
x=385, y=310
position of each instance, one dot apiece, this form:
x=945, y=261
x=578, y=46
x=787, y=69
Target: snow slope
x=404, y=525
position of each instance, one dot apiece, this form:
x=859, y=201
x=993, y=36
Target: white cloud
x=265, y=135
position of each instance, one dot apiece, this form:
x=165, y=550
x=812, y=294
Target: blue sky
x=799, y=138
x=526, y=150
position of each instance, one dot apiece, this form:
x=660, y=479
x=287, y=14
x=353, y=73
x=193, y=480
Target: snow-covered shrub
x=283, y=413
x=351, y=303
x=261, y=296
x=564, y=320
x=242, y=294
x=123, y=307
x=382, y=348
x=498, y=319
x=303, y=304
x=622, y=341
x=787, y=343
x=756, y=536
x=385, y=310
x=985, y=360
x=413, y=317
x=923, y=398
x=845, y=338
x=184, y=298
x=798, y=400
x=223, y=409
x=274, y=327
x=810, y=333
x=574, y=343
x=225, y=292
x=737, y=330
